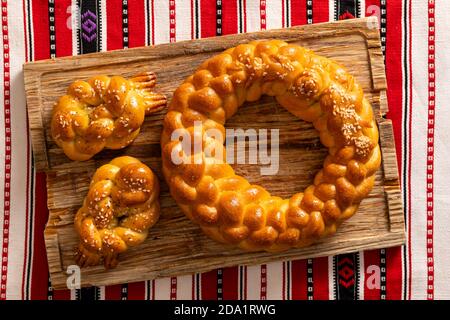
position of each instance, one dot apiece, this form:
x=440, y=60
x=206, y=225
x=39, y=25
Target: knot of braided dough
x=121, y=205
x=103, y=112
x=226, y=206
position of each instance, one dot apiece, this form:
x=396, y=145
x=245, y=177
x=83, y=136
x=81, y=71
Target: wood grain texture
x=175, y=245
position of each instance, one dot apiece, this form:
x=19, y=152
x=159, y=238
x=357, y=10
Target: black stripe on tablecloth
x=218, y=17
x=383, y=32
x=91, y=293
x=345, y=8
x=288, y=279
x=241, y=282
x=383, y=274
x=197, y=19
x=346, y=273
x=241, y=16
x=148, y=289
x=51, y=26
x=89, y=33
x=357, y=260
x=148, y=22
x=309, y=11
x=309, y=279
x=125, y=23
x=383, y=25
x=49, y=289
x=124, y=292
x=287, y=6
x=197, y=287
x=29, y=30
x=220, y=284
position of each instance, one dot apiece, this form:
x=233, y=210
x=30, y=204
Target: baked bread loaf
x=103, y=112
x=121, y=205
x=226, y=206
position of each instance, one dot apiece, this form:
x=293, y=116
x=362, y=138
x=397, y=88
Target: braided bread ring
x=103, y=112
x=121, y=205
x=315, y=89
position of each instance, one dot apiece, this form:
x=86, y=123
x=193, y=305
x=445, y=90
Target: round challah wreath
x=121, y=205
x=103, y=112
x=226, y=206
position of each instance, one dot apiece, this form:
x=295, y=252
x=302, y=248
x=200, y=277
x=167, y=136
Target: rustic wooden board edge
x=52, y=248
x=391, y=239
x=33, y=71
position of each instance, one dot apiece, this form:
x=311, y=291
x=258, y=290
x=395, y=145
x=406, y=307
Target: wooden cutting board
x=176, y=246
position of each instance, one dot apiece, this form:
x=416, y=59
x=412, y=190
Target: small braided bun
x=226, y=206
x=103, y=112
x=121, y=205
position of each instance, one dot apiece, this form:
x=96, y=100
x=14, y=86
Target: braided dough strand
x=103, y=112
x=226, y=206
x=121, y=205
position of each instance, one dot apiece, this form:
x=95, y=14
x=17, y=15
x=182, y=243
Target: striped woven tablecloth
x=416, y=43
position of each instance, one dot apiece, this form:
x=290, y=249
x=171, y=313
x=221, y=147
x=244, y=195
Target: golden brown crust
x=103, y=112
x=121, y=205
x=226, y=206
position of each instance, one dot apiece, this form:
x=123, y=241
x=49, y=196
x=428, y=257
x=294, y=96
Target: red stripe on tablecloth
x=394, y=273
x=320, y=11
x=263, y=293
x=283, y=282
x=172, y=20
x=209, y=285
x=63, y=16
x=372, y=8
x=136, y=23
x=153, y=22
x=244, y=18
x=230, y=283
x=394, y=75
x=61, y=295
x=136, y=291
x=372, y=275
x=113, y=292
x=114, y=32
x=229, y=17
x=192, y=37
x=430, y=149
x=262, y=14
x=40, y=30
x=173, y=288
x=298, y=12
x=394, y=72
x=208, y=18
x=40, y=268
x=7, y=167
x=299, y=280
x=320, y=278
x=245, y=289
